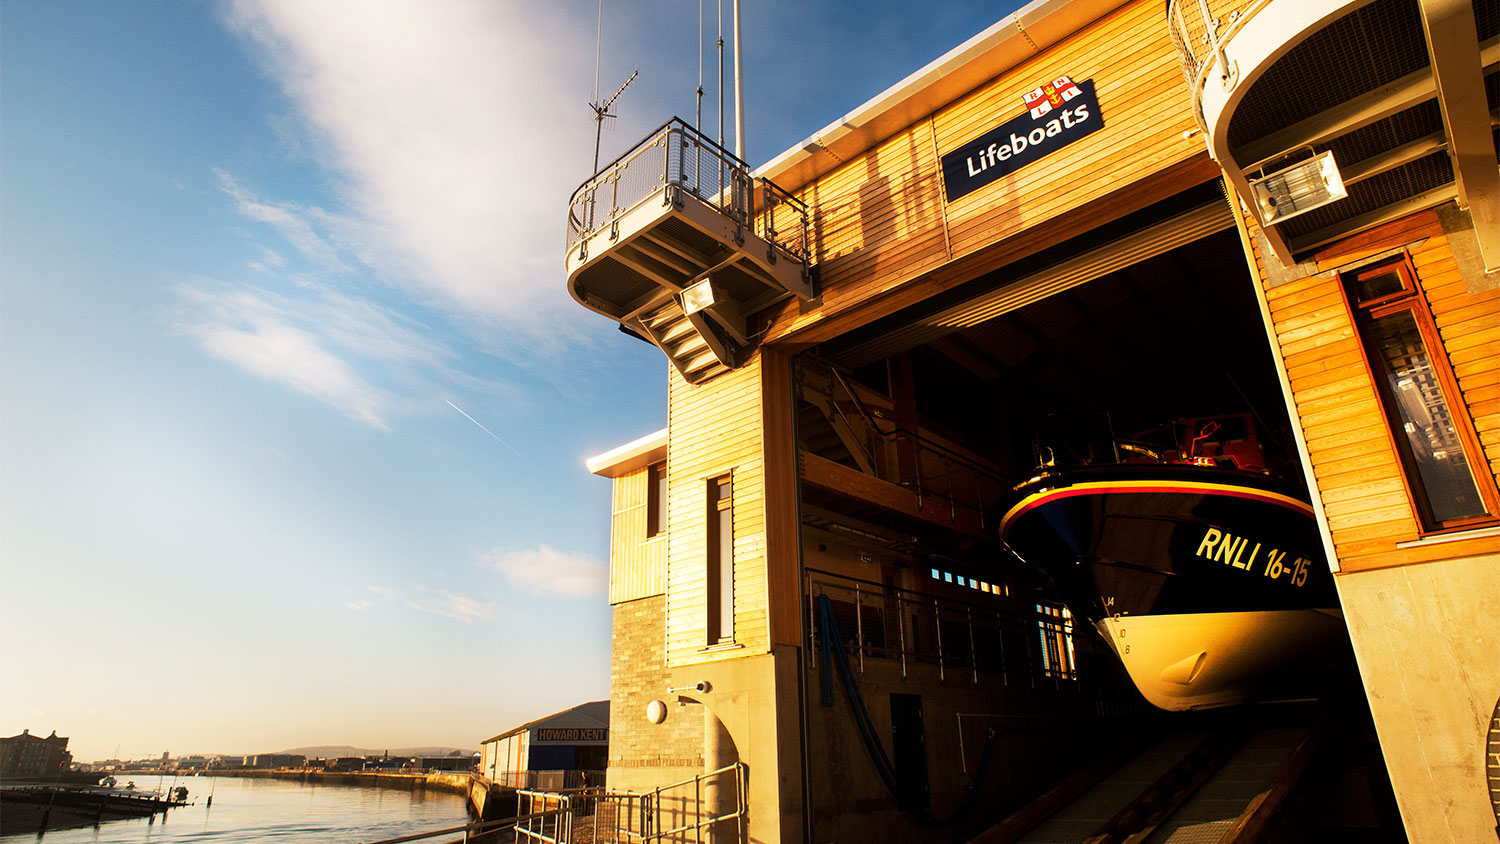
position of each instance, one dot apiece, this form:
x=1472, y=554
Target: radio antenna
x=601, y=110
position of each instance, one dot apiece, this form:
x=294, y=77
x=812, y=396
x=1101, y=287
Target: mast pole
x=739, y=90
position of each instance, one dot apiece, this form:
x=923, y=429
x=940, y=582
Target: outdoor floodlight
x=698, y=296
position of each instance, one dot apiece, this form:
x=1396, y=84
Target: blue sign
x=1061, y=113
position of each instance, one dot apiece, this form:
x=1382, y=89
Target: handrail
x=732, y=190
x=1207, y=24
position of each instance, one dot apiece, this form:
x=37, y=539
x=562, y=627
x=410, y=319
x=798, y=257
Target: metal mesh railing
x=677, y=157
x=1199, y=29
x=707, y=807
x=878, y=622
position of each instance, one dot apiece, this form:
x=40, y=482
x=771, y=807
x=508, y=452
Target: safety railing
x=681, y=159
x=707, y=807
x=879, y=622
x=558, y=780
x=1199, y=29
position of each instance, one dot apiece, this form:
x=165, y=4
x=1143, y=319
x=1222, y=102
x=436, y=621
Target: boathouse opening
x=912, y=428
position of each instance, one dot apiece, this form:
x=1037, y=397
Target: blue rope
x=833, y=652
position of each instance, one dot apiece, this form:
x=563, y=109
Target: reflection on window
x=1437, y=445
x=1436, y=450
x=1055, y=630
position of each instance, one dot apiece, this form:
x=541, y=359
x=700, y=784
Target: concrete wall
x=1427, y=638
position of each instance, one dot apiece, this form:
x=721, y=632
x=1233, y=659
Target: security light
x=1298, y=189
x=698, y=296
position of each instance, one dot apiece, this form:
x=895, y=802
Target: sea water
x=279, y=811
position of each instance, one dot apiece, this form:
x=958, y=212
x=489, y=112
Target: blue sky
x=266, y=268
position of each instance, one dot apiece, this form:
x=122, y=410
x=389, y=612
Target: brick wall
x=643, y=755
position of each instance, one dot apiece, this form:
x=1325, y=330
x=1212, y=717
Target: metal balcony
x=1402, y=92
x=678, y=212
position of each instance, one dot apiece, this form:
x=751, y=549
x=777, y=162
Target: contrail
x=486, y=430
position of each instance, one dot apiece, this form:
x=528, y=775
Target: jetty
x=36, y=808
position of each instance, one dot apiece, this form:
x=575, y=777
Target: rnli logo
x=1057, y=113
x=1044, y=98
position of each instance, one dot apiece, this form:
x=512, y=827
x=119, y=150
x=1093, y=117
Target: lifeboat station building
x=1281, y=211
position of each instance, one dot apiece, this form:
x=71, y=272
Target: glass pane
x=1370, y=288
x=1435, y=446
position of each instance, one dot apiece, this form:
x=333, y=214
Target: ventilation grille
x=1406, y=181
x=1417, y=122
x=1363, y=50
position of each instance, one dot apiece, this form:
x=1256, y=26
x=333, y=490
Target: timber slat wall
x=1358, y=472
x=715, y=430
x=637, y=565
x=881, y=225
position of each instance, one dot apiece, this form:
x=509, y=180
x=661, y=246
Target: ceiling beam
x=1458, y=70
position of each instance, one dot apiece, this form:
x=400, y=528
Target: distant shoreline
x=457, y=782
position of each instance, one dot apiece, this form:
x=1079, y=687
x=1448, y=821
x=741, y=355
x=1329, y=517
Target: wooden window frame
x=656, y=500
x=719, y=582
x=1413, y=299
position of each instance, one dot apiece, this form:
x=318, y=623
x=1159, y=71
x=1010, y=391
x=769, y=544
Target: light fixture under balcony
x=1298, y=189
x=698, y=296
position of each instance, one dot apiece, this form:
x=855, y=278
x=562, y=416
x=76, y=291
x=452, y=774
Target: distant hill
x=327, y=750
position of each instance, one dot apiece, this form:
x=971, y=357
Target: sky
x=294, y=404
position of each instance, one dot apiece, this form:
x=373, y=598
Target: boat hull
x=1209, y=584
x=1209, y=660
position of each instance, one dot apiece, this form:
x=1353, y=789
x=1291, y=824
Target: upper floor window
x=1440, y=454
x=656, y=501
x=720, y=560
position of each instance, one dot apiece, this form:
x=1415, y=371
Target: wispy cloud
x=424, y=599
x=546, y=571
x=445, y=603
x=445, y=122
x=252, y=330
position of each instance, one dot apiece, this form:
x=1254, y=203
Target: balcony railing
x=910, y=628
x=678, y=157
x=1199, y=29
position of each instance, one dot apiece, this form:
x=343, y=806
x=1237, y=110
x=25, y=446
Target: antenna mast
x=601, y=110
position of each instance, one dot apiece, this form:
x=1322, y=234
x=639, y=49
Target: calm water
x=275, y=811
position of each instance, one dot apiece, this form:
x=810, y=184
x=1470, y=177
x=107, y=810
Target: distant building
x=443, y=763
x=344, y=763
x=552, y=752
x=31, y=757
x=275, y=760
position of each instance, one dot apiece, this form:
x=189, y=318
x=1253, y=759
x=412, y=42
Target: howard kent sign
x=1058, y=113
x=572, y=734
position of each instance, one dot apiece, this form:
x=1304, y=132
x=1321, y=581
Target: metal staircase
x=679, y=243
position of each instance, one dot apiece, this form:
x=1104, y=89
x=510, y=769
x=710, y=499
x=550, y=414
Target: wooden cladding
x=881, y=228
x=1351, y=445
x=637, y=561
x=715, y=432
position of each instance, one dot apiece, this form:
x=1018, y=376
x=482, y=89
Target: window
x=656, y=501
x=1055, y=630
x=1419, y=396
x=720, y=560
